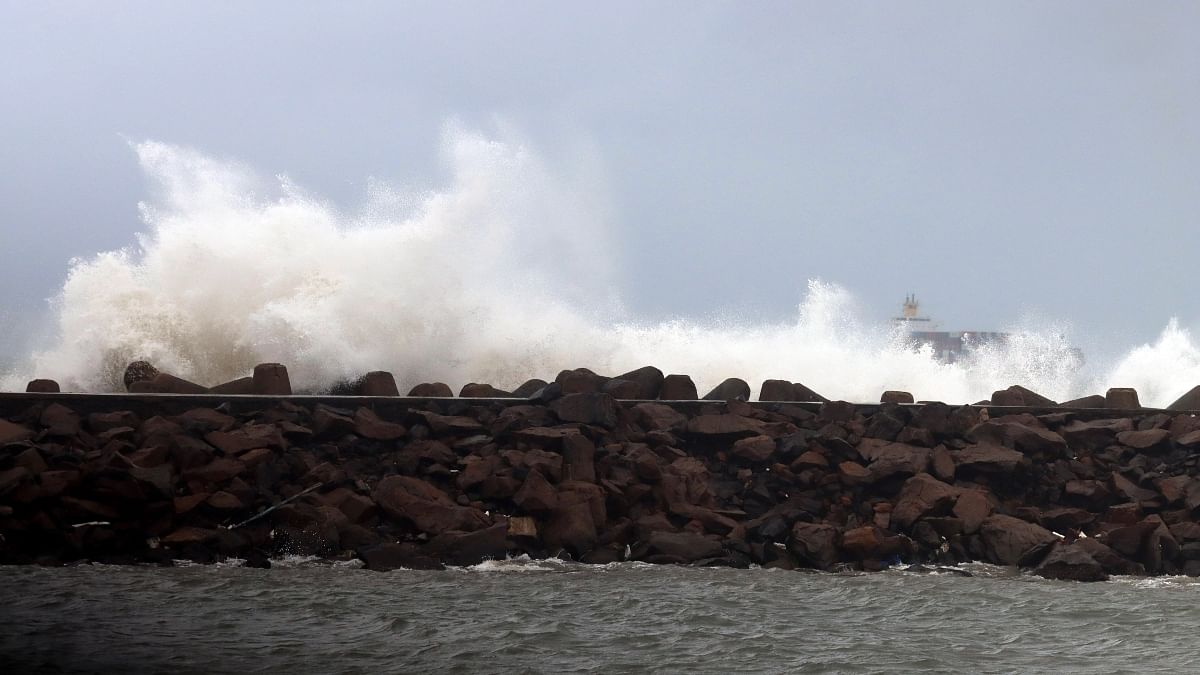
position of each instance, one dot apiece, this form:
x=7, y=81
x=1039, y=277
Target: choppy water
x=557, y=617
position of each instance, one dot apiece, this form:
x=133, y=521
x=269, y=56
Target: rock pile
x=576, y=472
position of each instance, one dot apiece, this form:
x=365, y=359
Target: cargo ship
x=948, y=346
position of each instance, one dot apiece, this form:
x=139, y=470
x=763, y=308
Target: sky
x=996, y=158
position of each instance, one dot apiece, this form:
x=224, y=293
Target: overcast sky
x=994, y=158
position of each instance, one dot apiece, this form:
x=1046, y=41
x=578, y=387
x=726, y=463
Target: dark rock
x=892, y=396
x=42, y=387
x=988, y=458
x=1088, y=402
x=536, y=494
x=677, y=388
x=755, y=449
x=431, y=390
x=659, y=417
x=1010, y=541
x=427, y=508
x=1109, y=560
x=1128, y=489
x=387, y=557
x=649, y=381
x=368, y=425
x=579, y=381
x=243, y=386
x=271, y=379
x=776, y=390
x=732, y=389
x=1143, y=440
x=815, y=544
x=1189, y=401
x=528, y=388
x=378, y=383
x=621, y=389
x=570, y=527
x=13, y=433
x=587, y=408
x=1072, y=563
x=479, y=390
x=723, y=425
x=470, y=548
x=1028, y=439
x=579, y=458
x=60, y=421
x=1095, y=434
x=923, y=495
x=138, y=371
x=684, y=546
x=804, y=394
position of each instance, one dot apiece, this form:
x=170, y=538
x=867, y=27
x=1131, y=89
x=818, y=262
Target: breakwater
x=598, y=470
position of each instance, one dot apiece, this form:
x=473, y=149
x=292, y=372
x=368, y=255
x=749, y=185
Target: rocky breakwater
x=425, y=483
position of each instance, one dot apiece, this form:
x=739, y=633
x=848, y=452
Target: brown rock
x=1176, y=488
x=271, y=379
x=1026, y=438
x=755, y=448
x=579, y=458
x=378, y=383
x=678, y=388
x=684, y=546
x=476, y=470
x=189, y=535
x=246, y=438
x=621, y=389
x=1031, y=398
x=659, y=417
x=854, y=472
x=570, y=527
x=776, y=390
x=217, y=471
x=1127, y=488
x=106, y=421
x=1109, y=560
x=892, y=396
x=1095, y=434
x=431, y=390
x=732, y=389
x=1122, y=398
x=428, y=509
x=815, y=544
x=1087, y=402
x=1005, y=397
x=1189, y=401
x=165, y=383
x=471, y=548
x=579, y=381
x=225, y=501
x=1010, y=541
x=522, y=526
x=723, y=425
x=1071, y=563
x=649, y=381
x=989, y=458
x=204, y=420
x=972, y=507
x=529, y=388
x=328, y=422
x=923, y=495
x=13, y=433
x=388, y=556
x=60, y=420
x=368, y=425
x=480, y=390
x=587, y=408
x=941, y=463
x=536, y=494
x=893, y=459
x=1143, y=440
x=242, y=386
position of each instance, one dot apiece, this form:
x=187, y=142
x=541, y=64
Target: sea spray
x=502, y=275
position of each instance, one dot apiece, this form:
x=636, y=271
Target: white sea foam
x=500, y=276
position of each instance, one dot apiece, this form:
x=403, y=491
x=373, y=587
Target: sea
x=523, y=616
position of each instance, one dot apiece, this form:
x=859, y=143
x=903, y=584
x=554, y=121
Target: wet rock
x=390, y=556
x=755, y=448
x=536, y=494
x=1072, y=563
x=271, y=379
x=1109, y=560
x=683, y=546
x=1128, y=489
x=368, y=425
x=528, y=388
x=678, y=388
x=579, y=458
x=815, y=544
x=989, y=458
x=1010, y=541
x=431, y=390
x=570, y=527
x=138, y=371
x=470, y=548
x=892, y=396
x=1087, y=402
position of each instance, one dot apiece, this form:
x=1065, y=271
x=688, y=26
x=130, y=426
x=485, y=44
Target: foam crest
x=501, y=275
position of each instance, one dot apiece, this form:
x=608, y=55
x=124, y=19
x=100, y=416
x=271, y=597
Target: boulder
x=754, y=449
x=1087, y=402
x=723, y=425
x=1143, y=440
x=587, y=408
x=988, y=458
x=621, y=389
x=888, y=460
x=431, y=390
x=42, y=387
x=60, y=421
x=815, y=544
x=378, y=383
x=732, y=389
x=579, y=458
x=470, y=548
x=923, y=495
x=536, y=494
x=1011, y=541
x=529, y=388
x=138, y=371
x=649, y=382
x=13, y=433
x=165, y=383
x=1131, y=491
x=579, y=381
x=1189, y=401
x=1072, y=563
x=243, y=386
x=271, y=379
x=427, y=508
x=1095, y=434
x=677, y=388
x=1027, y=438
x=368, y=425
x=972, y=508
x=480, y=390
x=1110, y=561
x=804, y=394
x=776, y=390
x=683, y=546
x=870, y=542
x=390, y=556
x=1122, y=398
x=892, y=396
x=570, y=527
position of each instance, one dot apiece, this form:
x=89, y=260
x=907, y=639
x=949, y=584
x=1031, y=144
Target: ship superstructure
x=948, y=346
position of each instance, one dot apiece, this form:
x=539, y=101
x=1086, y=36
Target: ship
x=948, y=346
